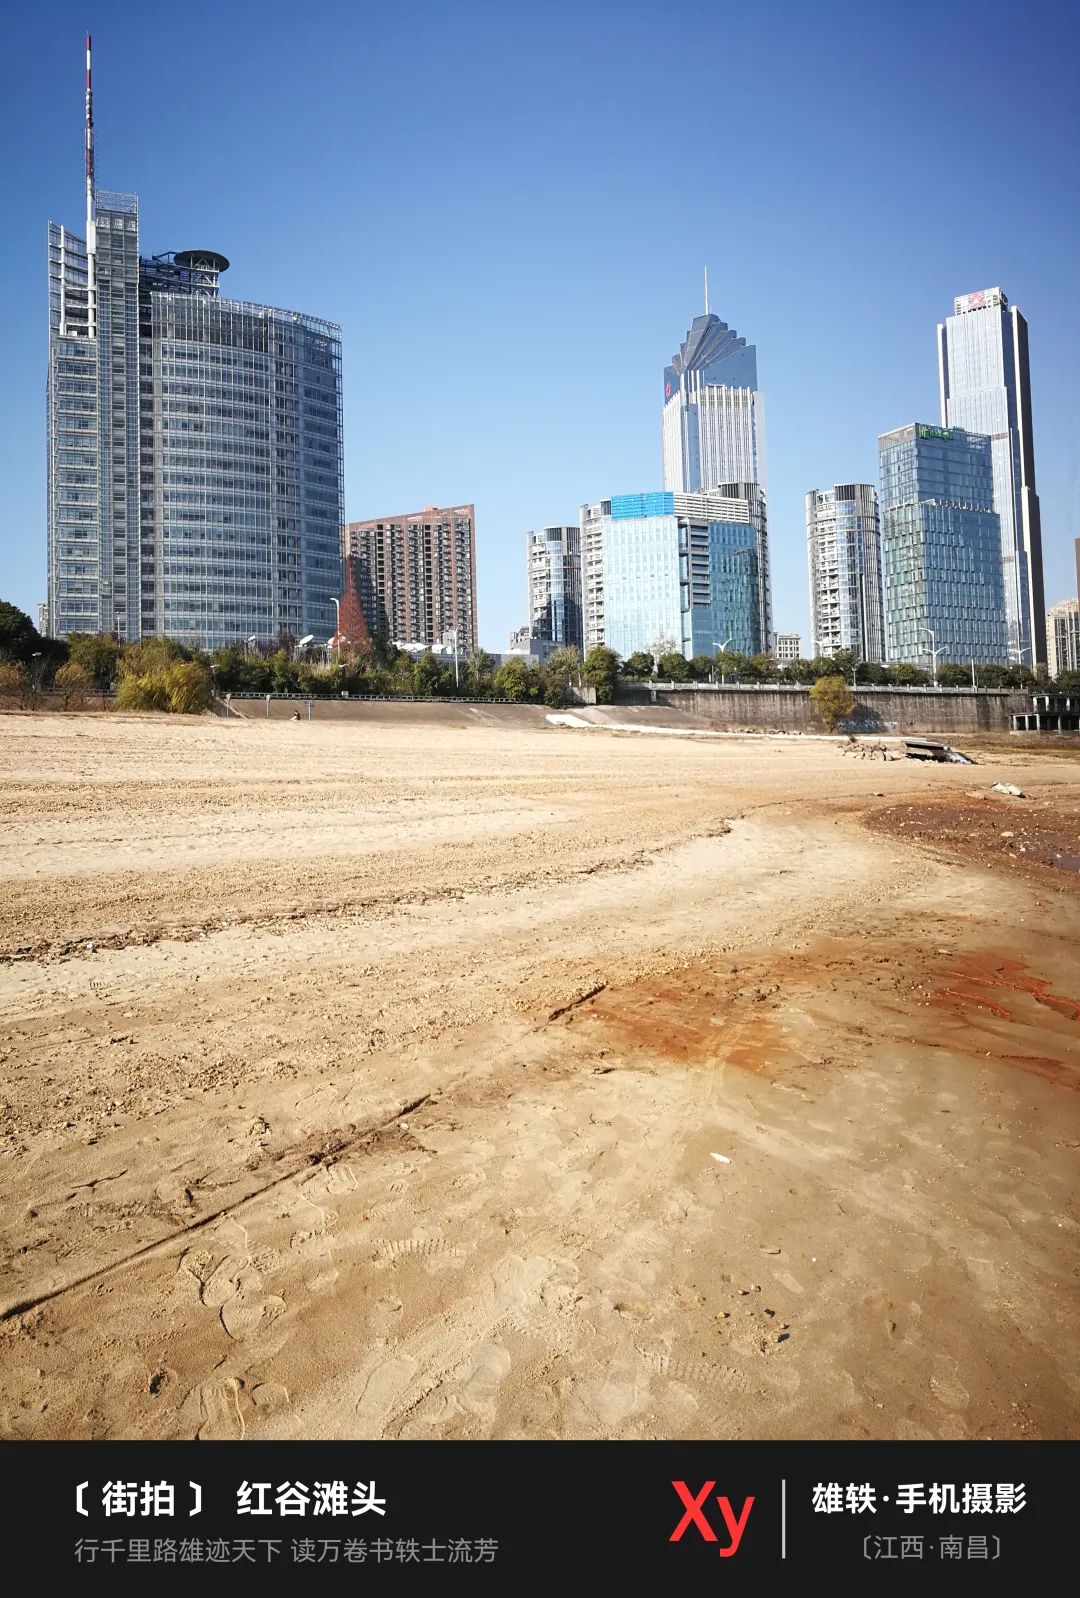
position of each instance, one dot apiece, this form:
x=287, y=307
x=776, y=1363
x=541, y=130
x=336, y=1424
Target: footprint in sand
x=947, y=1387
x=490, y=1368
x=213, y=1409
x=382, y=1389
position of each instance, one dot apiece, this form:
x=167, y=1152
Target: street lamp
x=337, y=623
x=721, y=651
x=933, y=652
x=451, y=636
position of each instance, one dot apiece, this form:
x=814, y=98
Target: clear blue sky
x=508, y=209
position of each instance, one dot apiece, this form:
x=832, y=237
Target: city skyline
x=833, y=380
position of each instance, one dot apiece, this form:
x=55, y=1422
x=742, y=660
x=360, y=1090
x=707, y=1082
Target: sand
x=470, y=1077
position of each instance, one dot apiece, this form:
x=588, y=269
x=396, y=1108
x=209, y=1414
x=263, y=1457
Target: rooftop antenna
x=91, y=229
x=89, y=139
x=706, y=269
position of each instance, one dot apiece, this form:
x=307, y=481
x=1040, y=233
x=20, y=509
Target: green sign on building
x=933, y=432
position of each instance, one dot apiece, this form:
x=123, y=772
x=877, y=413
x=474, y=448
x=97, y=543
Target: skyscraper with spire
x=713, y=426
x=194, y=443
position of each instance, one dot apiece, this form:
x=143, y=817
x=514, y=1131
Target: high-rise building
x=985, y=383
x=1063, y=637
x=194, y=444
x=712, y=428
x=416, y=575
x=843, y=546
x=941, y=554
x=554, y=566
x=687, y=573
x=788, y=648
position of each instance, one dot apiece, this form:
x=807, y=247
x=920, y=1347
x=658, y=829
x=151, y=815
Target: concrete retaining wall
x=884, y=710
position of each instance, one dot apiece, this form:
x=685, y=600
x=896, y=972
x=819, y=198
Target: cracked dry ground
x=369, y=1080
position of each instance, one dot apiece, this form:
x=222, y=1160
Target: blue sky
x=508, y=209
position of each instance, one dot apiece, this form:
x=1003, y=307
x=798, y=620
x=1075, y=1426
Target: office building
x=687, y=573
x=788, y=648
x=712, y=425
x=1063, y=637
x=985, y=384
x=941, y=554
x=554, y=567
x=194, y=444
x=416, y=576
x=843, y=546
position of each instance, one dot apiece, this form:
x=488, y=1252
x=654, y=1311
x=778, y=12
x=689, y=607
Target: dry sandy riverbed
x=367, y=1080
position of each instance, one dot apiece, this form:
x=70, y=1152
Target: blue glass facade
x=941, y=547
x=685, y=573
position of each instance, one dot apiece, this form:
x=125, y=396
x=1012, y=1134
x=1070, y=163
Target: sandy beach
x=458, y=1076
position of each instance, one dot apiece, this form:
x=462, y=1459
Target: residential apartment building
x=416, y=575
x=843, y=546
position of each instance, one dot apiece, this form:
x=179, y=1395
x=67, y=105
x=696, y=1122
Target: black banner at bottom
x=493, y=1512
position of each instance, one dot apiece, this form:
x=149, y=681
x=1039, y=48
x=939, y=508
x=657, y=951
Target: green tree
x=478, y=672
x=833, y=700
x=429, y=677
x=873, y=672
x=800, y=671
x=639, y=664
x=905, y=676
x=511, y=681
x=1068, y=682
x=673, y=667
x=74, y=684
x=952, y=675
x=98, y=654
x=826, y=666
x=19, y=638
x=763, y=667
x=601, y=671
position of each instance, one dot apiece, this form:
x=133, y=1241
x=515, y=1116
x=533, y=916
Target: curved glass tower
x=194, y=445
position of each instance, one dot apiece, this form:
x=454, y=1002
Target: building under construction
x=194, y=444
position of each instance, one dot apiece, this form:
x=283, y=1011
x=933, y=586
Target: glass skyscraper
x=843, y=546
x=712, y=431
x=985, y=384
x=687, y=573
x=554, y=566
x=941, y=547
x=194, y=445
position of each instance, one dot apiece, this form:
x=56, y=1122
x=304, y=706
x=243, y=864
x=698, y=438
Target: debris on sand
x=1009, y=787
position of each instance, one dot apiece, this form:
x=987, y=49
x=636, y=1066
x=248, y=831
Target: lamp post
x=933, y=652
x=721, y=651
x=451, y=635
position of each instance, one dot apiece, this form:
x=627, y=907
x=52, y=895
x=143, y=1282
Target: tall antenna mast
x=89, y=142
x=706, y=269
x=91, y=225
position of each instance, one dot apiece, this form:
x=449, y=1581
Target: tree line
x=160, y=674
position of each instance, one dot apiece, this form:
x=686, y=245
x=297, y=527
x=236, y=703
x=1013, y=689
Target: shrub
x=149, y=692
x=189, y=687
x=11, y=684
x=832, y=700
x=74, y=684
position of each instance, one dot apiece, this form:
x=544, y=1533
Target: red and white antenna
x=89, y=138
